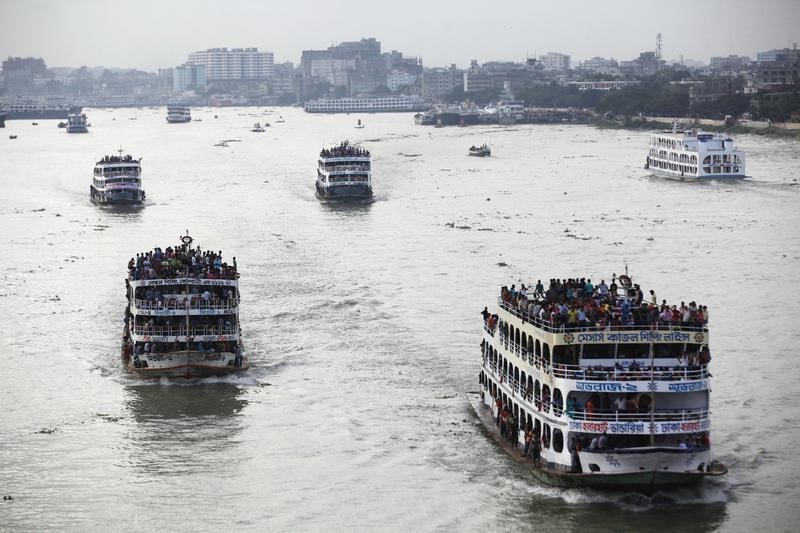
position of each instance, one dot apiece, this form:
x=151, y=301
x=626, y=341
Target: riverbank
x=661, y=123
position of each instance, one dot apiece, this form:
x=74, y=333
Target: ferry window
x=558, y=402
x=546, y=354
x=546, y=398
x=598, y=351
x=633, y=351
x=667, y=351
x=558, y=440
x=546, y=436
x=537, y=395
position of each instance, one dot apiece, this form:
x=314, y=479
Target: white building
x=398, y=78
x=188, y=77
x=555, y=61
x=234, y=64
x=333, y=70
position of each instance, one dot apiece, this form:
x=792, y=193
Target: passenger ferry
x=182, y=315
x=76, y=123
x=117, y=180
x=178, y=113
x=694, y=154
x=600, y=390
x=344, y=173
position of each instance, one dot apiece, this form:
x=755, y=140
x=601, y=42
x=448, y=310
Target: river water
x=362, y=323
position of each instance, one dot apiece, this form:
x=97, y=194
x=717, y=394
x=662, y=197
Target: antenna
x=658, y=46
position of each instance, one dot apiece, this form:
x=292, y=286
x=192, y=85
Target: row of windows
x=103, y=183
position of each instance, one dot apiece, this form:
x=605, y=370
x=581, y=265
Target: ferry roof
x=345, y=149
x=180, y=263
x=118, y=159
x=578, y=304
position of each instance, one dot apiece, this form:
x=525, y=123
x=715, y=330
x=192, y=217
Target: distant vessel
x=76, y=123
x=2, y=120
x=257, y=128
x=280, y=119
x=62, y=124
x=36, y=109
x=480, y=151
x=359, y=125
x=378, y=104
x=12, y=136
x=606, y=391
x=425, y=119
x=182, y=318
x=117, y=180
x=692, y=155
x=344, y=173
x=178, y=113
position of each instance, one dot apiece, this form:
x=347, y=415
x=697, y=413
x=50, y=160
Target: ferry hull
x=646, y=481
x=345, y=193
x=185, y=364
x=119, y=197
x=692, y=177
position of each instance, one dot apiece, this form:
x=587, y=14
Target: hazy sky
x=148, y=34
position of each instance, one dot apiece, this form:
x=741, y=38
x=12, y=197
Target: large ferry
x=344, y=173
x=117, y=180
x=377, y=104
x=593, y=387
x=76, y=123
x=182, y=316
x=178, y=113
x=694, y=154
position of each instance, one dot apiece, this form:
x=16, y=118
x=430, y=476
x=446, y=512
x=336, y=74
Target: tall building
x=234, y=64
x=732, y=63
x=599, y=65
x=555, y=61
x=438, y=82
x=188, y=77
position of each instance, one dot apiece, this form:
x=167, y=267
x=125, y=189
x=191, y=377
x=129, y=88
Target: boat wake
x=707, y=494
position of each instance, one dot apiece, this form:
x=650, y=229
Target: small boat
x=34, y=123
x=257, y=128
x=359, y=125
x=480, y=151
x=62, y=124
x=280, y=119
x=12, y=136
x=198, y=120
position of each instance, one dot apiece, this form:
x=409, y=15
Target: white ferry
x=344, y=173
x=178, y=113
x=378, y=104
x=694, y=154
x=182, y=316
x=117, y=180
x=591, y=389
x=76, y=123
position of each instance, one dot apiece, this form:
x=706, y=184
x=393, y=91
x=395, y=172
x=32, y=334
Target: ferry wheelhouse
x=178, y=113
x=117, y=180
x=606, y=391
x=182, y=316
x=694, y=155
x=344, y=173
x=76, y=123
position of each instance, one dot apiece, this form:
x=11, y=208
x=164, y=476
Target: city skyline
x=146, y=35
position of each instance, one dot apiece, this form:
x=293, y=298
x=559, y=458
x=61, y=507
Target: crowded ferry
x=344, y=173
x=177, y=114
x=480, y=151
x=182, y=315
x=599, y=385
x=117, y=180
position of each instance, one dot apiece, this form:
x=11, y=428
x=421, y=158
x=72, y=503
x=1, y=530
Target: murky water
x=363, y=323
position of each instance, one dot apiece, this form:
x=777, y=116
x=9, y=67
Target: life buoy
x=625, y=280
x=186, y=239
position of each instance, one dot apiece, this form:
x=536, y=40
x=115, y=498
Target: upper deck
x=181, y=265
x=692, y=141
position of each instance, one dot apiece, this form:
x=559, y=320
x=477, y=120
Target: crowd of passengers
x=199, y=346
x=176, y=325
x=578, y=303
x=344, y=150
x=180, y=261
x=117, y=159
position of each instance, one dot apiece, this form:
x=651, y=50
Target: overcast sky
x=148, y=34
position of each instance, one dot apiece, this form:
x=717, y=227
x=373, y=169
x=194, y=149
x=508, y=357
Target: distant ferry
x=344, y=173
x=76, y=123
x=694, y=155
x=117, y=180
x=182, y=315
x=378, y=104
x=178, y=113
x=592, y=386
x=36, y=110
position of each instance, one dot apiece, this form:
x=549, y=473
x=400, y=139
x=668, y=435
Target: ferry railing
x=608, y=373
x=181, y=331
x=550, y=327
x=659, y=415
x=178, y=304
